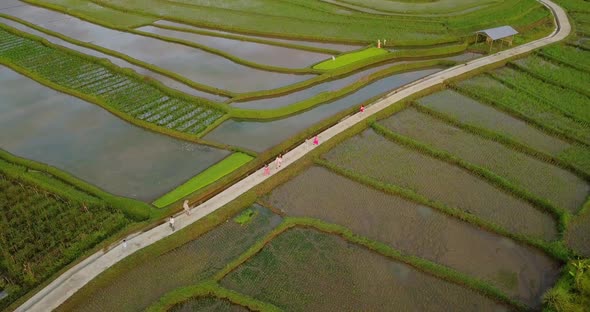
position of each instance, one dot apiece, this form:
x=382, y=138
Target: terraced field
x=473, y=198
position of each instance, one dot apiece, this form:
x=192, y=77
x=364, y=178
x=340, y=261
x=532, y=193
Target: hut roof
x=499, y=32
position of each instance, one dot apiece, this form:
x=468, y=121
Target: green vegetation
x=209, y=289
x=570, y=103
x=572, y=291
x=122, y=92
x=350, y=58
x=210, y=175
x=246, y=216
x=49, y=221
x=488, y=90
x=568, y=55
x=562, y=76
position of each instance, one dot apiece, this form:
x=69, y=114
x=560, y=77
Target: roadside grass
x=350, y=58
x=210, y=175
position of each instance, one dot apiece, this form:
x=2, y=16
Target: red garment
x=316, y=141
x=362, y=109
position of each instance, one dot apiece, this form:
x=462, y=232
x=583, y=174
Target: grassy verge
x=420, y=264
x=209, y=289
x=210, y=175
x=350, y=58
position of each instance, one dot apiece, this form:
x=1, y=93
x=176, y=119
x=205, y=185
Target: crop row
x=557, y=74
x=42, y=231
x=117, y=90
x=568, y=55
x=571, y=103
x=522, y=105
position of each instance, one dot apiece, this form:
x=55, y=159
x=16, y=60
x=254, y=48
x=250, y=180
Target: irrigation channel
x=72, y=280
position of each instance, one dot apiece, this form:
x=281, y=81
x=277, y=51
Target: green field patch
x=568, y=55
x=569, y=102
x=246, y=216
x=43, y=230
x=350, y=58
x=561, y=187
x=415, y=229
x=210, y=175
x=375, y=156
x=558, y=74
x=523, y=106
x=145, y=282
x=307, y=270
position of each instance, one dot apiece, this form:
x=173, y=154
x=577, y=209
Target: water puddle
x=418, y=230
x=372, y=155
x=260, y=136
x=87, y=141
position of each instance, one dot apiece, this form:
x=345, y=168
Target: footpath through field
x=75, y=278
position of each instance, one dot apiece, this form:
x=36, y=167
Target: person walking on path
x=362, y=108
x=186, y=207
x=124, y=244
x=279, y=161
x=171, y=222
x=316, y=140
x=266, y=170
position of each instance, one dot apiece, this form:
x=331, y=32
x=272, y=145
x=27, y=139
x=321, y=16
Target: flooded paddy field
x=561, y=187
x=261, y=135
x=194, y=64
x=138, y=287
x=306, y=270
x=315, y=44
x=87, y=141
x=520, y=271
x=251, y=51
x=577, y=236
x=372, y=155
x=167, y=81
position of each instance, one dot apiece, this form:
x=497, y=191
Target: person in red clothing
x=362, y=108
x=316, y=140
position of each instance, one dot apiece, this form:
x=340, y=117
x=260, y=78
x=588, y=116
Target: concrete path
x=72, y=280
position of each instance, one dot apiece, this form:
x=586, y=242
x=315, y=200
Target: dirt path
x=75, y=278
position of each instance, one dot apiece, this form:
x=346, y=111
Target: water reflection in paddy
x=195, y=64
x=260, y=136
x=85, y=140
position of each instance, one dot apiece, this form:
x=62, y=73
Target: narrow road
x=75, y=278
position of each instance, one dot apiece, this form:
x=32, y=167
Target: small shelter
x=502, y=33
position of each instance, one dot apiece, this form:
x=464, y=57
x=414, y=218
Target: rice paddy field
x=473, y=197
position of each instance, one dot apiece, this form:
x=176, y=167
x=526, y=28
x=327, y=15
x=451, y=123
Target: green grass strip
x=209, y=289
x=556, y=250
x=210, y=175
x=428, y=267
x=487, y=174
x=350, y=58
